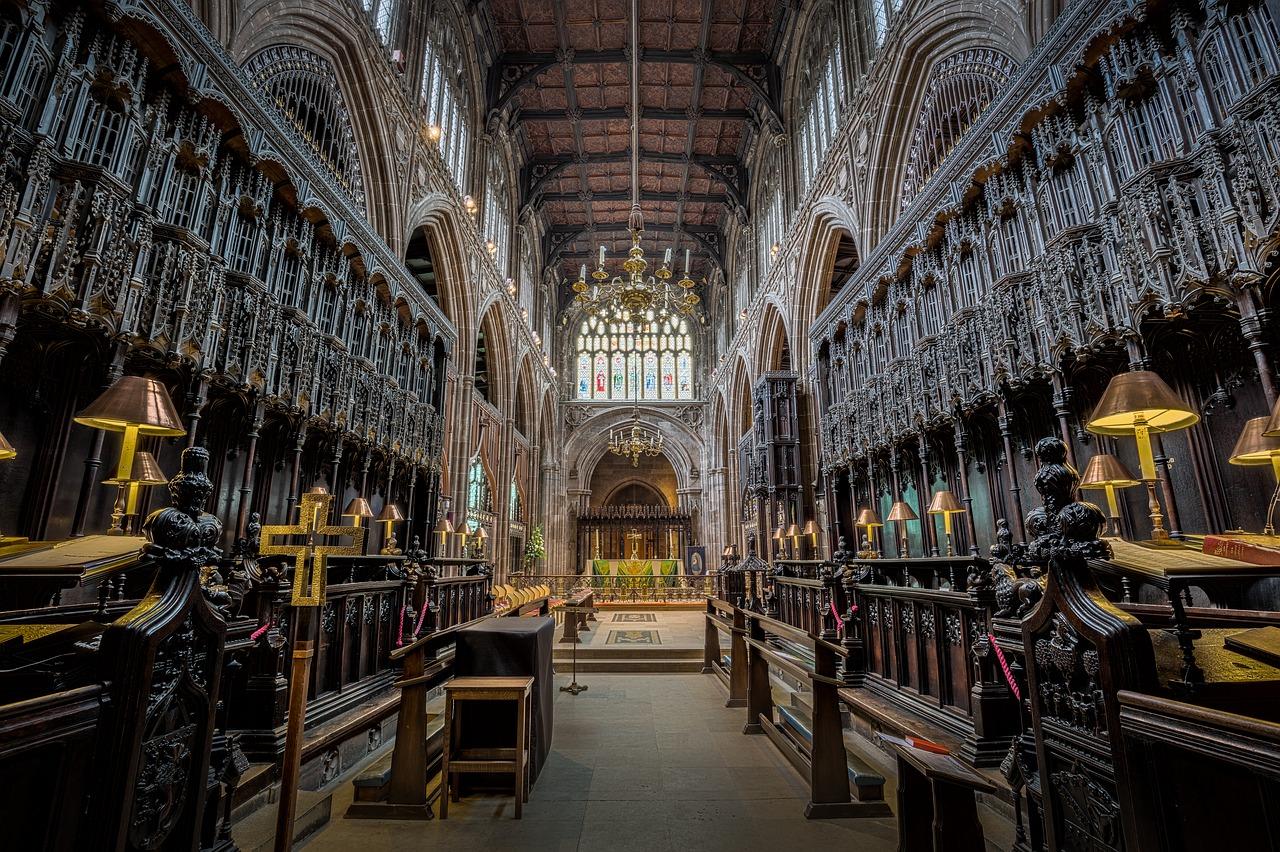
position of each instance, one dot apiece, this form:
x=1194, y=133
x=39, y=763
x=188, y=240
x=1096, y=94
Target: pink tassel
x=839, y=620
x=1004, y=667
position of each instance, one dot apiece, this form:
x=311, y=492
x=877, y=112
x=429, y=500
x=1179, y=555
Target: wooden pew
x=820, y=757
x=723, y=617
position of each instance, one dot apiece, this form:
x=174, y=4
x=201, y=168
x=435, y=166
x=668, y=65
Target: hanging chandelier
x=633, y=296
x=635, y=439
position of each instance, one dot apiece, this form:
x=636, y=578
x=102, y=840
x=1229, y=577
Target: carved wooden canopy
x=708, y=83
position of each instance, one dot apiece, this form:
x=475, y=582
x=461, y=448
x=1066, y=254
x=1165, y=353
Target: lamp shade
x=134, y=401
x=390, y=512
x=358, y=508
x=6, y=449
x=944, y=503
x=867, y=518
x=902, y=511
x=482, y=534
x=1105, y=469
x=793, y=531
x=777, y=534
x=1254, y=446
x=1140, y=396
x=444, y=526
x=146, y=471
x=810, y=528
x=730, y=551
x=318, y=489
x=1272, y=429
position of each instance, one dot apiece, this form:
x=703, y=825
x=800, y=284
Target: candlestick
x=666, y=258
x=686, y=261
x=582, y=273
x=602, y=255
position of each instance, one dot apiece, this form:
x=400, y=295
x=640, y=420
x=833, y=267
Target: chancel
x=654, y=424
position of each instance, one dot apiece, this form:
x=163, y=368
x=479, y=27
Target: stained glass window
x=619, y=360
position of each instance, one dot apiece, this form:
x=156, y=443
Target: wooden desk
x=514, y=760
x=937, y=811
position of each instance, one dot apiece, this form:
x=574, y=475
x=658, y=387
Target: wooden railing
x=610, y=589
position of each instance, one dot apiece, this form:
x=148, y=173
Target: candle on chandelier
x=602, y=255
x=582, y=273
x=666, y=258
x=686, y=262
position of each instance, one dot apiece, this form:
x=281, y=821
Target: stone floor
x=673, y=629
x=645, y=763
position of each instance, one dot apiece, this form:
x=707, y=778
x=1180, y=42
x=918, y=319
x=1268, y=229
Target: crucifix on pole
x=310, y=568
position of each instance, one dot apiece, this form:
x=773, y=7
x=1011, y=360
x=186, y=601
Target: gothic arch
x=773, y=342
x=439, y=219
x=589, y=443
x=318, y=29
x=936, y=32
x=494, y=357
x=832, y=230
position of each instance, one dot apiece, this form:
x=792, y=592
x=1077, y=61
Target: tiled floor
x=676, y=628
x=645, y=763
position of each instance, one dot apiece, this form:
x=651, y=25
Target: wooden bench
x=937, y=806
x=723, y=617
x=820, y=757
x=458, y=760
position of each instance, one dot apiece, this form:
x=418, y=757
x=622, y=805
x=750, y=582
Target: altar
x=635, y=568
x=635, y=541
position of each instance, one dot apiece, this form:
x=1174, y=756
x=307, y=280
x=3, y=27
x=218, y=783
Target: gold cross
x=313, y=522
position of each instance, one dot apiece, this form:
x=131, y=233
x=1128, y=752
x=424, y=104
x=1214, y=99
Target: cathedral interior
x=640, y=424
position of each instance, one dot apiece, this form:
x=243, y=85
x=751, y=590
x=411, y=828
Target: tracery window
x=497, y=217
x=382, y=16
x=444, y=99
x=822, y=96
x=479, y=494
x=619, y=360
x=517, y=511
x=959, y=88
x=304, y=87
x=772, y=222
x=882, y=13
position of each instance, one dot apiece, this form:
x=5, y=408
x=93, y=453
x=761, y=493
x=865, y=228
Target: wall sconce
x=511, y=287
x=1139, y=403
x=1256, y=447
x=773, y=250
x=434, y=133
x=945, y=504
x=146, y=472
x=390, y=516
x=1105, y=471
x=135, y=406
x=899, y=514
x=469, y=203
x=492, y=248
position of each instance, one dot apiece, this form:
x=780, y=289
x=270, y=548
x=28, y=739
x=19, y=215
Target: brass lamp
x=1256, y=447
x=146, y=472
x=1106, y=471
x=444, y=529
x=811, y=532
x=1139, y=403
x=867, y=518
x=944, y=503
x=482, y=539
x=6, y=449
x=900, y=513
x=389, y=516
x=135, y=406
x=793, y=533
x=1272, y=429
x=318, y=489
x=357, y=510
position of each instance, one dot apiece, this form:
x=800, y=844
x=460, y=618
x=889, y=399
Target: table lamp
x=1106, y=471
x=146, y=472
x=1256, y=447
x=1139, y=403
x=901, y=512
x=444, y=529
x=135, y=406
x=793, y=533
x=389, y=516
x=944, y=503
x=357, y=510
x=867, y=518
x=811, y=531
x=482, y=539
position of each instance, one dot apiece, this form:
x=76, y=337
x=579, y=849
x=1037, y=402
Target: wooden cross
x=313, y=522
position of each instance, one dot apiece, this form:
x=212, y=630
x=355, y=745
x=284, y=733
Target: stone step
x=624, y=665
x=627, y=652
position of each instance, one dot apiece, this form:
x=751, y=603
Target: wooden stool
x=513, y=760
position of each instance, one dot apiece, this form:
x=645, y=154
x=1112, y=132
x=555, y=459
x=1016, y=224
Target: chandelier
x=634, y=295
x=634, y=439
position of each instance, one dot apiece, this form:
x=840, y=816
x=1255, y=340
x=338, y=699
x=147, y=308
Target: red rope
x=257, y=634
x=1004, y=667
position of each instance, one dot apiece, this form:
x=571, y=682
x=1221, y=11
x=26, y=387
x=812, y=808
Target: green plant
x=535, y=548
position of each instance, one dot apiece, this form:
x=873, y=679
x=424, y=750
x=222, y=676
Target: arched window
x=304, y=87
x=622, y=361
x=517, y=510
x=382, y=17
x=497, y=215
x=960, y=87
x=821, y=95
x=479, y=495
x=444, y=97
x=773, y=220
x=881, y=13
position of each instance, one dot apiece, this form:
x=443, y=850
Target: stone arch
x=589, y=443
x=831, y=240
x=438, y=219
x=936, y=32
x=318, y=28
x=773, y=342
x=492, y=358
